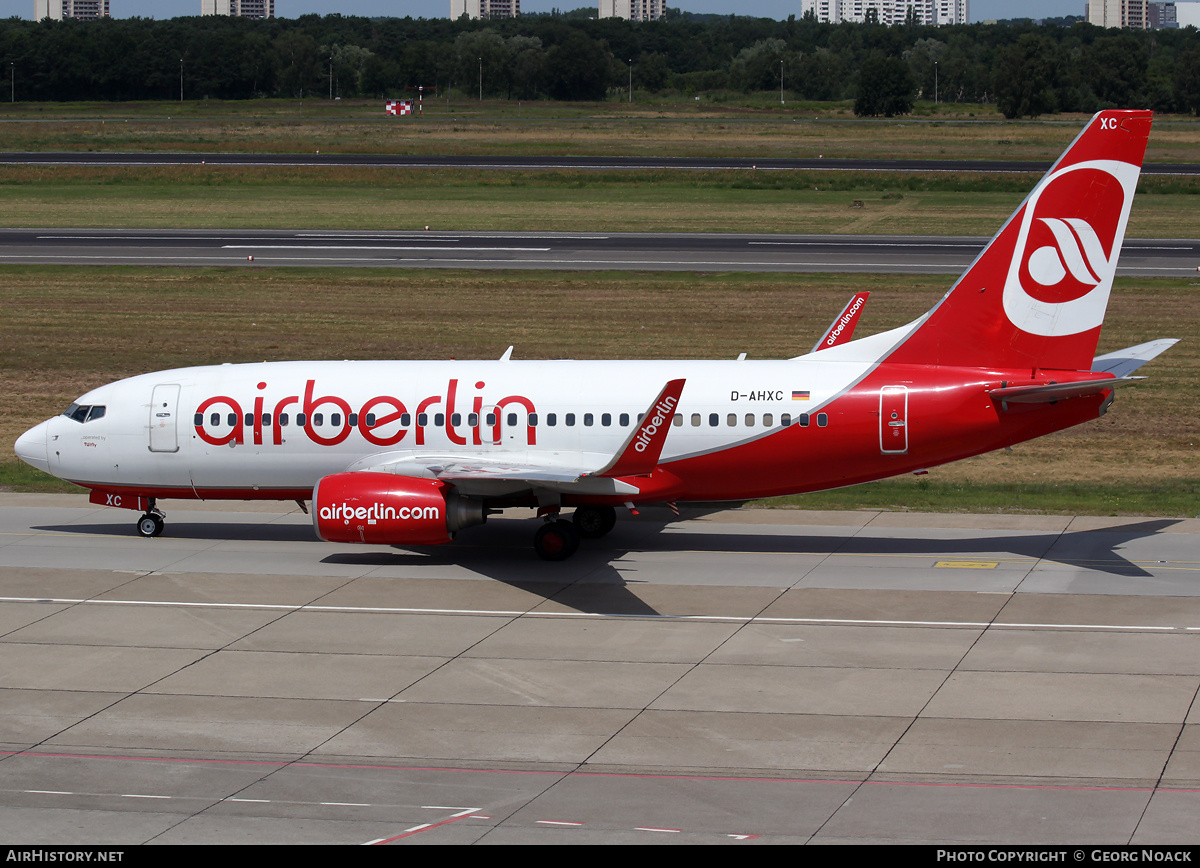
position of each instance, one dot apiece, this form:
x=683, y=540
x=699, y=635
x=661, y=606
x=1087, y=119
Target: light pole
x=631, y=80
x=181, y=79
x=13, y=67
x=935, y=83
x=481, y=79
x=331, y=75
x=781, y=82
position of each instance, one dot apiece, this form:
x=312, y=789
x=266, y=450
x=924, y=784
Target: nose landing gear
x=152, y=523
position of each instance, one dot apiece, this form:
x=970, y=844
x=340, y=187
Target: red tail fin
x=1035, y=297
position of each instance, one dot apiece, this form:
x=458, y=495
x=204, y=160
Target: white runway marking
x=515, y=613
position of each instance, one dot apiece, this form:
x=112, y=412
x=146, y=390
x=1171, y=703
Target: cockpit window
x=84, y=412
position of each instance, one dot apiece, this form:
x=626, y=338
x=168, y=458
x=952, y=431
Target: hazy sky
x=980, y=9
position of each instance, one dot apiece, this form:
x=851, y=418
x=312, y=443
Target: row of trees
x=1024, y=69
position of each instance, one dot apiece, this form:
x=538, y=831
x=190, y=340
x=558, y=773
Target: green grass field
x=459, y=200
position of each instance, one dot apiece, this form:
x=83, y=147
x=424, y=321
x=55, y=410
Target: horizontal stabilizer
x=1048, y=393
x=1124, y=362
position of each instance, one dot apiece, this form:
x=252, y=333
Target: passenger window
x=749, y=420
x=533, y=420
x=695, y=420
x=439, y=419
x=731, y=420
x=353, y=419
x=767, y=419
x=677, y=420
x=570, y=419
x=370, y=420
x=300, y=419
x=624, y=420
x=249, y=419
x=405, y=420
x=318, y=419
x=422, y=420
x=491, y=419
x=266, y=420
x=512, y=420
x=551, y=419
x=335, y=419
x=714, y=419
x=472, y=420
x=456, y=419
x=587, y=419
x=822, y=420
x=785, y=419
x=606, y=420
x=803, y=420
x=283, y=418
x=198, y=419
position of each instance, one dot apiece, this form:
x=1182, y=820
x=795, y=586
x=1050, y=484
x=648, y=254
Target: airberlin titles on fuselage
x=383, y=420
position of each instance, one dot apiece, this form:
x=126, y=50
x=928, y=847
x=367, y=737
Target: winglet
x=639, y=454
x=842, y=327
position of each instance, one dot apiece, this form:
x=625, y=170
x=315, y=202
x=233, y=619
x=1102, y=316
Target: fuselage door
x=164, y=406
x=893, y=420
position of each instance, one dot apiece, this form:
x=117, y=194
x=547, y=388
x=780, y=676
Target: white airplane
x=409, y=453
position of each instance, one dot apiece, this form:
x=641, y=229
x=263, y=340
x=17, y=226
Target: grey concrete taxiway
x=905, y=254
x=738, y=677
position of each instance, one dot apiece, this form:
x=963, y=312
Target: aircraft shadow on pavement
x=595, y=579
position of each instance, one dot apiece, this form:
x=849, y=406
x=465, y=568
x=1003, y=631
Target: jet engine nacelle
x=390, y=510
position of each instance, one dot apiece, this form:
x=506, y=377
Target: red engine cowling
x=390, y=510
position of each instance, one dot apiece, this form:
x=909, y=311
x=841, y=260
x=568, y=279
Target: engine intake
x=386, y=509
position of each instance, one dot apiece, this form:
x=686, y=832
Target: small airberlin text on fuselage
x=383, y=420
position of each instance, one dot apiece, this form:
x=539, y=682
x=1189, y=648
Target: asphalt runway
x=914, y=254
x=750, y=676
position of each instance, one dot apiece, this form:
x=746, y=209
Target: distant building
x=935, y=12
x=485, y=8
x=1178, y=14
x=633, y=10
x=60, y=9
x=239, y=8
x=1162, y=16
x=1119, y=13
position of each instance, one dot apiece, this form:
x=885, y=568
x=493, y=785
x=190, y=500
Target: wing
x=494, y=474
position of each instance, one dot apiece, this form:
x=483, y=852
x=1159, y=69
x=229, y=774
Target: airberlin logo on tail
x=1068, y=240
x=1076, y=251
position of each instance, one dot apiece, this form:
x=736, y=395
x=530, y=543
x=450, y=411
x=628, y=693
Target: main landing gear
x=559, y=539
x=152, y=523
